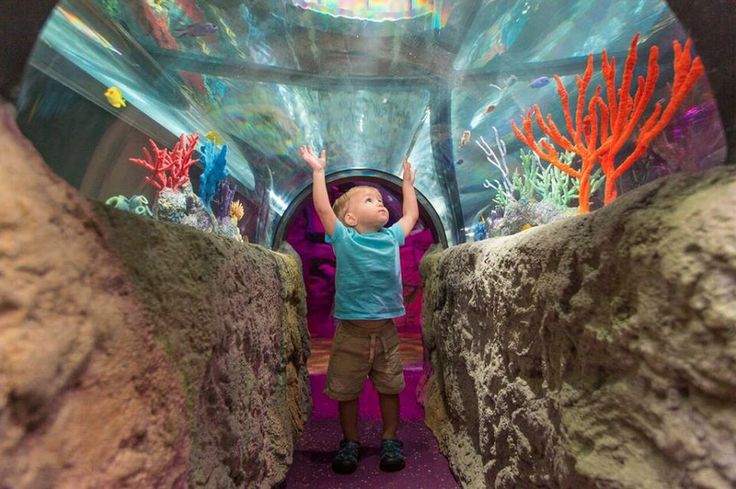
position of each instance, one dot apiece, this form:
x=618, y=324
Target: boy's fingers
x=322, y=154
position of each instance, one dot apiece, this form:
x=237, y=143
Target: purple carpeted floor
x=426, y=467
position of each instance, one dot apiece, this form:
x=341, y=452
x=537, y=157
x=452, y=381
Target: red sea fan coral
x=598, y=136
x=169, y=168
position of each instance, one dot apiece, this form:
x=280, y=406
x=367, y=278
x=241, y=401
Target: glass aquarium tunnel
x=370, y=82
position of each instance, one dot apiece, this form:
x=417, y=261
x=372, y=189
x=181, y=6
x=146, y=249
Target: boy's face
x=366, y=210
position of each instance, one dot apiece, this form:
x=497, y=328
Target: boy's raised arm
x=319, y=188
x=411, y=208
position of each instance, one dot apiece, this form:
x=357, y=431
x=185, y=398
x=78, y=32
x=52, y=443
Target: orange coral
x=598, y=135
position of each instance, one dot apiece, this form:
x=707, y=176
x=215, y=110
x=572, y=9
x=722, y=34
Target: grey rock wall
x=596, y=352
x=135, y=353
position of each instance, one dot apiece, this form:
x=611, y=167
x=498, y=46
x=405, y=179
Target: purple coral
x=222, y=200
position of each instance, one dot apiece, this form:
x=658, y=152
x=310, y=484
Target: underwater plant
x=598, y=137
x=215, y=170
x=169, y=168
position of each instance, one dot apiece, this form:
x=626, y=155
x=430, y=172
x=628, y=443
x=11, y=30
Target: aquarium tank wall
x=442, y=83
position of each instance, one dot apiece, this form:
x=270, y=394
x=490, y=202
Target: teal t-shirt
x=368, y=277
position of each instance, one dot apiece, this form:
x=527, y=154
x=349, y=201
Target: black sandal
x=392, y=456
x=346, y=460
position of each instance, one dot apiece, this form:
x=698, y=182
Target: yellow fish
x=115, y=97
x=215, y=137
x=526, y=226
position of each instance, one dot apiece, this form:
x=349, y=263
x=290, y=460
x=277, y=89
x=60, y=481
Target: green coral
x=538, y=182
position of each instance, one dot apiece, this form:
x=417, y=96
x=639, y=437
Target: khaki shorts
x=359, y=352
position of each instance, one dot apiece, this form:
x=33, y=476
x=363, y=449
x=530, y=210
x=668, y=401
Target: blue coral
x=215, y=170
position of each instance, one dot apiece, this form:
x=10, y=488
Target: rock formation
x=135, y=353
x=597, y=351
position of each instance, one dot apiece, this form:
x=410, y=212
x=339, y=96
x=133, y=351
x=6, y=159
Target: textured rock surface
x=135, y=353
x=88, y=398
x=232, y=316
x=599, y=351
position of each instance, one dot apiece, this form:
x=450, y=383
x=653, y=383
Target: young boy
x=368, y=295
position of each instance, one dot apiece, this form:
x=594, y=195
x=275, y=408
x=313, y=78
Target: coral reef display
x=176, y=201
x=530, y=196
x=600, y=134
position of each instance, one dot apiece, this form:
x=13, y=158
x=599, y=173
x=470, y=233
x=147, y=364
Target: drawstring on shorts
x=372, y=350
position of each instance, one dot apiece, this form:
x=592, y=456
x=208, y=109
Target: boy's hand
x=409, y=174
x=410, y=206
x=315, y=163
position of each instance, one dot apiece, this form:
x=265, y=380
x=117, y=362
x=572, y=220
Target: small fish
x=215, y=137
x=539, y=82
x=197, y=30
x=526, y=227
x=115, y=97
x=460, y=162
x=490, y=108
x=465, y=139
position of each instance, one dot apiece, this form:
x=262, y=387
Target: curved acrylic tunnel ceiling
x=368, y=81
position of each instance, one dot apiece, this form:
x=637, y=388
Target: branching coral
x=598, y=136
x=169, y=168
x=536, y=182
x=549, y=183
x=505, y=186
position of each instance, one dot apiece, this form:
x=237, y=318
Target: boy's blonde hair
x=340, y=207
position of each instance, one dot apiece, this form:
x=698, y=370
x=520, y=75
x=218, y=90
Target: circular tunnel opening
x=302, y=229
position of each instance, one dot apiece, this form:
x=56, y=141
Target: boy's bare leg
x=390, y=413
x=349, y=419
